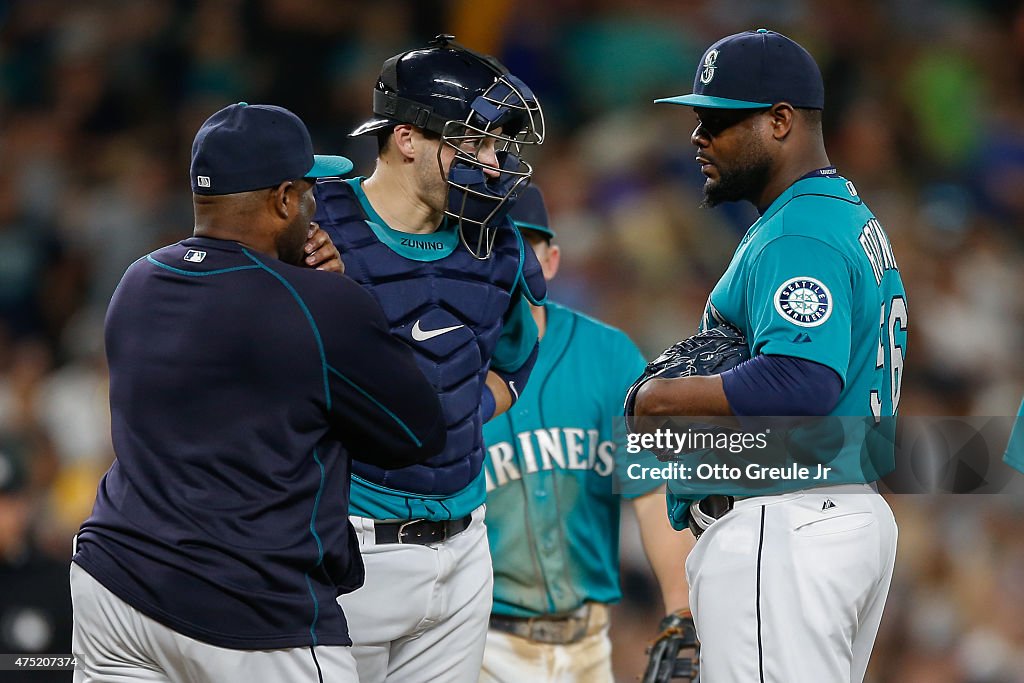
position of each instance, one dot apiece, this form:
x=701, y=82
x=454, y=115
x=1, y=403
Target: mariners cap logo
x=709, y=67
x=805, y=301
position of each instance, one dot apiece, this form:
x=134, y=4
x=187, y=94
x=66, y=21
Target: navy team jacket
x=238, y=387
x=460, y=316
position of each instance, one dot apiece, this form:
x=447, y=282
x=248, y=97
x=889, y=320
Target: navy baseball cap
x=755, y=70
x=530, y=213
x=247, y=147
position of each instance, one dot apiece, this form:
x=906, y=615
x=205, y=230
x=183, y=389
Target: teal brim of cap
x=325, y=166
x=709, y=102
x=543, y=229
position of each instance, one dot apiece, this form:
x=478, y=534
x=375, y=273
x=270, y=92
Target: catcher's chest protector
x=449, y=310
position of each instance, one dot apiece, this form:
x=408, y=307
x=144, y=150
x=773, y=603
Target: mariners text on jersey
x=565, y=448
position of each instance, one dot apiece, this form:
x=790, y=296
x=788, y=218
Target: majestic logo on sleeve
x=804, y=301
x=708, y=72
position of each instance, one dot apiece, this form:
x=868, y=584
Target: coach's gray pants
x=113, y=641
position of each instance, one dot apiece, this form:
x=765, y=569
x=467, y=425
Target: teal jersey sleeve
x=518, y=337
x=678, y=510
x=799, y=302
x=1015, y=449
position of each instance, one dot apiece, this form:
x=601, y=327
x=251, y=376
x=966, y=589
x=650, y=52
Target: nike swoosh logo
x=420, y=334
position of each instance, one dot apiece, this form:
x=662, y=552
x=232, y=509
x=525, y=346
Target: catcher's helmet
x=464, y=96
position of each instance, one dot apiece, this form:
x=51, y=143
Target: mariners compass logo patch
x=804, y=301
x=708, y=72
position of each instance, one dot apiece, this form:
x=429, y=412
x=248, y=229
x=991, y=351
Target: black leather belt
x=419, y=531
x=714, y=507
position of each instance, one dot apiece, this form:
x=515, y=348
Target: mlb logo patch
x=195, y=256
x=203, y=181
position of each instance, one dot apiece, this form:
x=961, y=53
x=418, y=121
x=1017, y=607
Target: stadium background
x=99, y=102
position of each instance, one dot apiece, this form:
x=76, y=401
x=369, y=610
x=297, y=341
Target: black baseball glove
x=675, y=655
x=711, y=352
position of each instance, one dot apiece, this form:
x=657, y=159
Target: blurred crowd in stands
x=100, y=99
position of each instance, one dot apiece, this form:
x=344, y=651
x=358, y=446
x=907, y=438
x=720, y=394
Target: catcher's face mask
x=481, y=192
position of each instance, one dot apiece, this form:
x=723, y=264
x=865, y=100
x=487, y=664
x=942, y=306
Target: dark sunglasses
x=716, y=121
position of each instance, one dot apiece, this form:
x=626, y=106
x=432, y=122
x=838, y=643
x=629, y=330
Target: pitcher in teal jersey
x=789, y=586
x=552, y=516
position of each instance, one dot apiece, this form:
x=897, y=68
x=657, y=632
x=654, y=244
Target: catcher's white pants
x=511, y=659
x=790, y=588
x=422, y=614
x=113, y=641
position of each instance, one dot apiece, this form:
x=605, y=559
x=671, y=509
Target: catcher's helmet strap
x=402, y=110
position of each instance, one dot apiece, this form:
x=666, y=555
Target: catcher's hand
x=706, y=353
x=675, y=655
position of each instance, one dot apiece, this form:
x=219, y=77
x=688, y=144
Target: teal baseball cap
x=755, y=70
x=530, y=213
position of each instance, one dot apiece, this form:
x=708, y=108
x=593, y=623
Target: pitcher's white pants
x=790, y=588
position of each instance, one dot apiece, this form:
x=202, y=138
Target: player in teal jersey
x=552, y=515
x=1015, y=450
x=789, y=586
